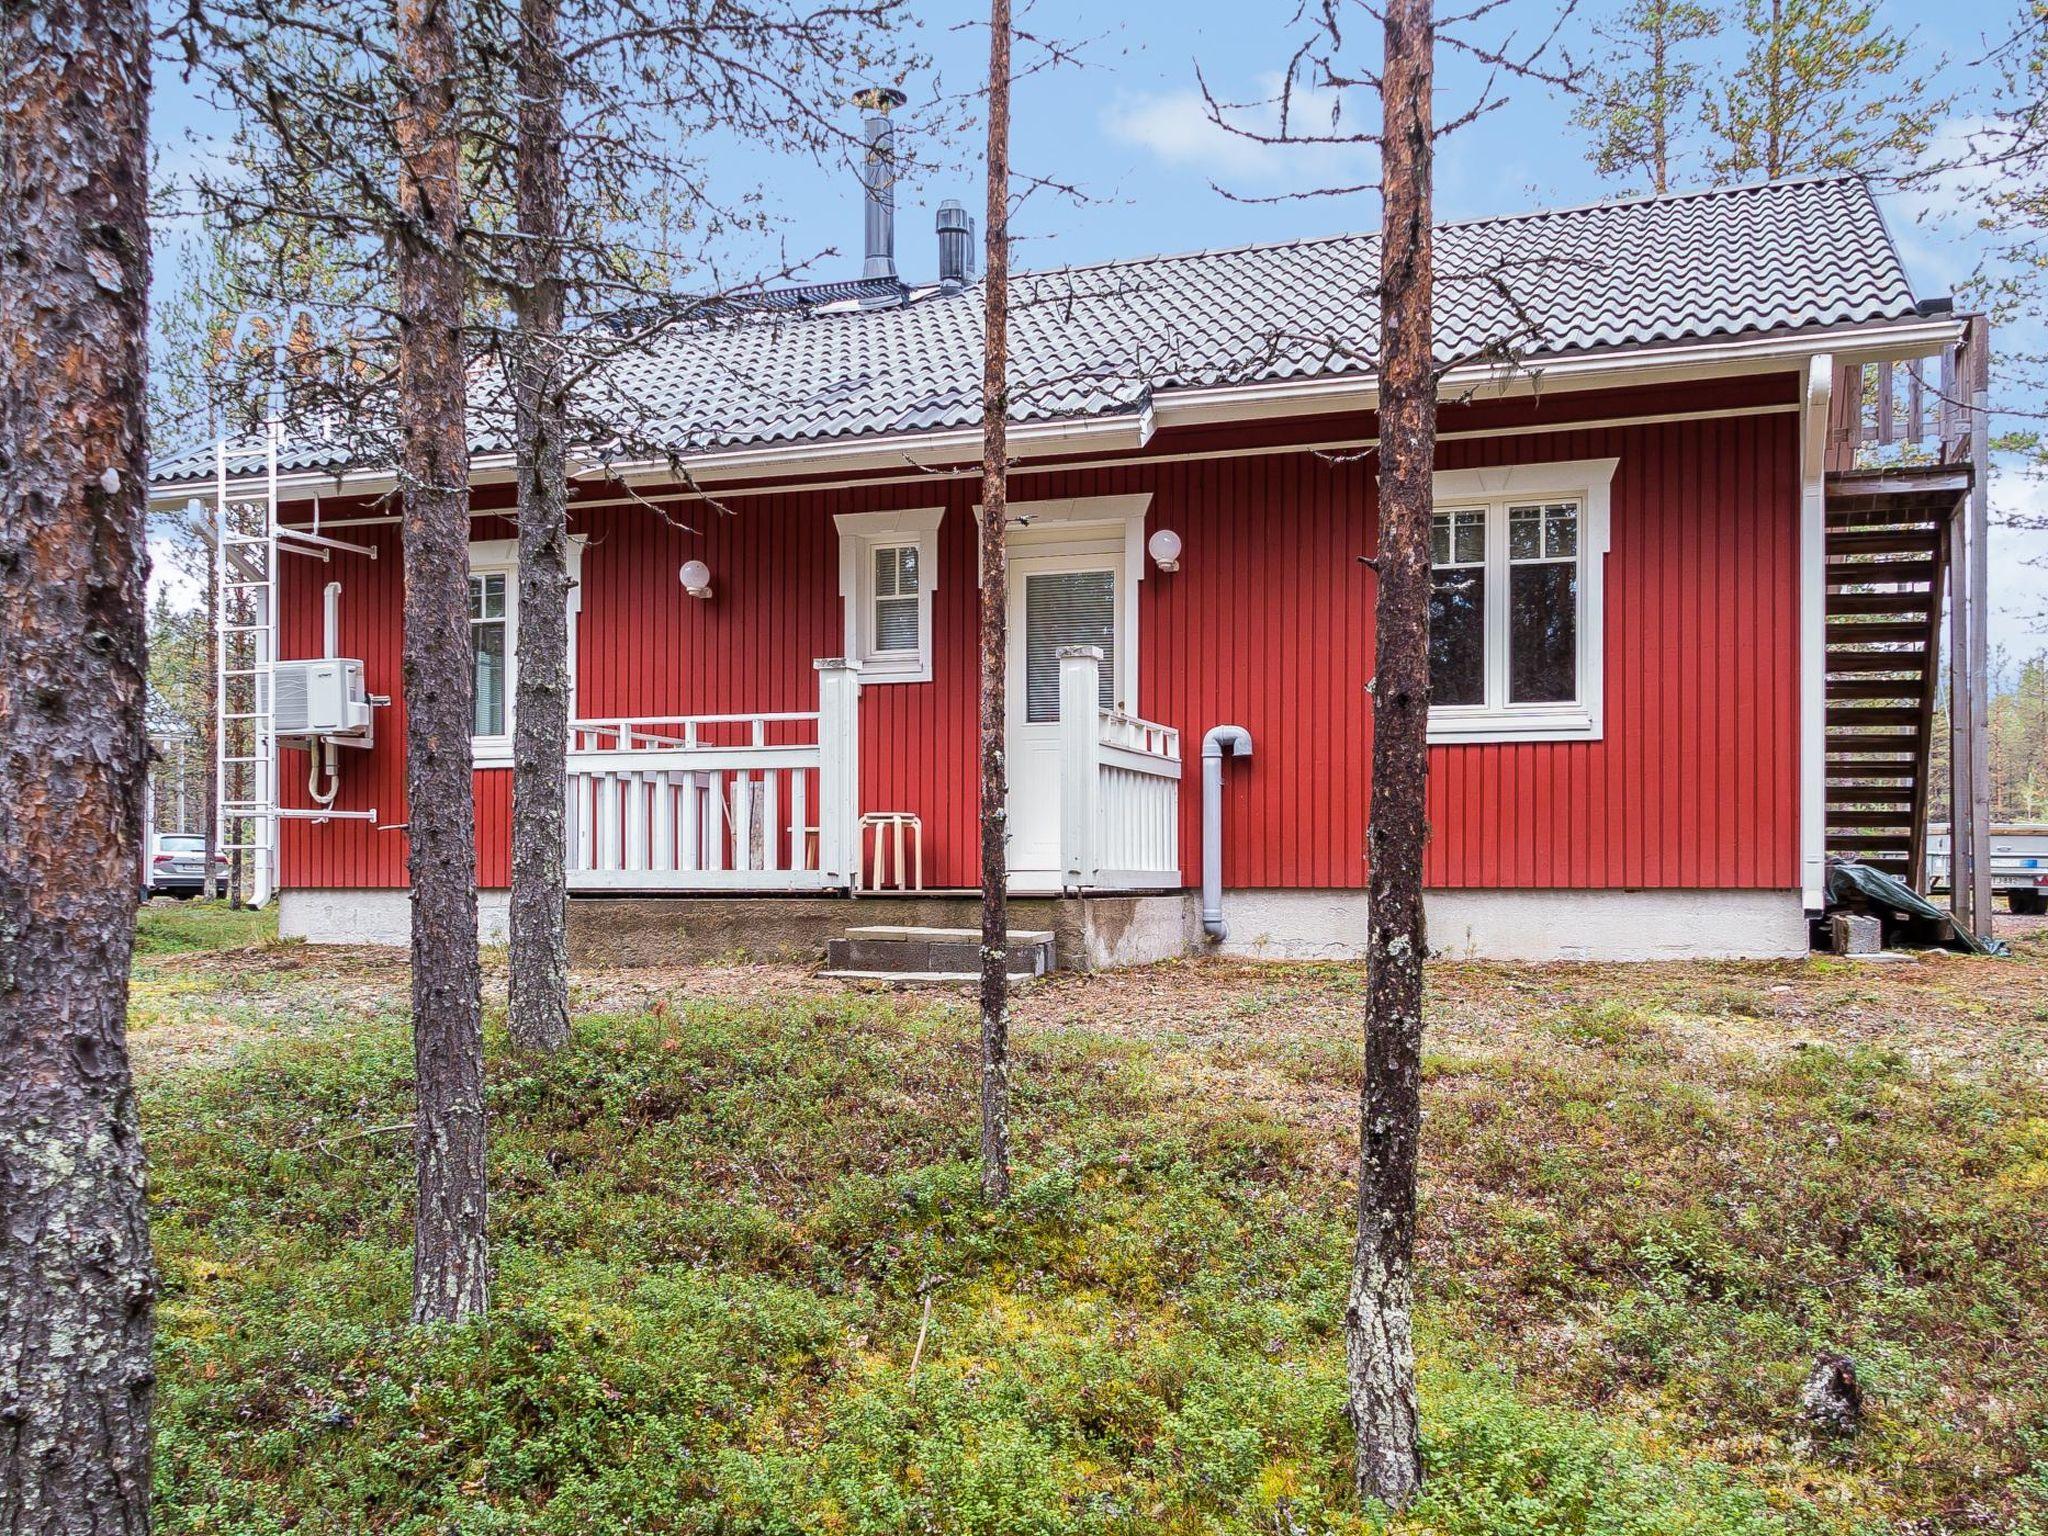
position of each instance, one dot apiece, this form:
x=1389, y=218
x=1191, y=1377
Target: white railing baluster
x=708, y=802
x=692, y=837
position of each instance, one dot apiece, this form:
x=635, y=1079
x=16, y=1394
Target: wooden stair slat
x=1854, y=689
x=1870, y=794
x=1874, y=632
x=1871, y=714
x=1887, y=572
x=1875, y=661
x=1889, y=542
x=1901, y=841
x=1880, y=821
x=1867, y=745
x=1886, y=604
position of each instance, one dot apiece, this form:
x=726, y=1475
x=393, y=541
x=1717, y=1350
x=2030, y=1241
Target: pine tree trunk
x=995, y=609
x=540, y=942
x=449, y=1259
x=1379, y=1330
x=76, y=1283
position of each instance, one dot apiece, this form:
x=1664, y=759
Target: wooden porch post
x=838, y=770
x=1969, y=651
x=1080, y=739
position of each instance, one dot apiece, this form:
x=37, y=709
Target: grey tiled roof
x=1096, y=340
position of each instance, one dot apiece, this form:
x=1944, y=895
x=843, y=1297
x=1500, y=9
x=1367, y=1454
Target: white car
x=176, y=864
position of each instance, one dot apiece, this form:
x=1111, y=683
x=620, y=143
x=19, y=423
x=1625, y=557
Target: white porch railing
x=1119, y=788
x=765, y=802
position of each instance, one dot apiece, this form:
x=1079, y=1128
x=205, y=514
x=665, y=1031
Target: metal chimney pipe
x=956, y=245
x=878, y=177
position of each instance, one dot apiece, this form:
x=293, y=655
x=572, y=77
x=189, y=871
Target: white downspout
x=1221, y=741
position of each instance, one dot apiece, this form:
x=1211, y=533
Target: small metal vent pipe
x=1222, y=741
x=956, y=245
x=878, y=177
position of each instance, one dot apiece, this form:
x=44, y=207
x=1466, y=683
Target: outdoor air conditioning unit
x=321, y=698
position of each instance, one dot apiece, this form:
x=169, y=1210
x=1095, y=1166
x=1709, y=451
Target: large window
x=888, y=569
x=1516, y=557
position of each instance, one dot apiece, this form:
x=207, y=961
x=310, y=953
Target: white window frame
x=1588, y=482
x=491, y=557
x=860, y=535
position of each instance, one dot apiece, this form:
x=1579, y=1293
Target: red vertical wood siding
x=1267, y=625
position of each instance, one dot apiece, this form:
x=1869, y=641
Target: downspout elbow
x=1221, y=741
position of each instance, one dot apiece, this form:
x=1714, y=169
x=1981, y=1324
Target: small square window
x=886, y=581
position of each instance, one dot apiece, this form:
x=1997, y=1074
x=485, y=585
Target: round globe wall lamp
x=1164, y=547
x=696, y=578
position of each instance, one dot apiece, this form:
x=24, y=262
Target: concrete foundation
x=1089, y=932
x=376, y=917
x=1093, y=933
x=1528, y=925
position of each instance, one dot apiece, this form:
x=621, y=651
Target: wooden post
x=838, y=771
x=1080, y=736
x=1977, y=378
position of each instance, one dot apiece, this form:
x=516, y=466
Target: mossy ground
x=1652, y=1194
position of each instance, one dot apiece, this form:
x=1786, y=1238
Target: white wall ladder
x=245, y=631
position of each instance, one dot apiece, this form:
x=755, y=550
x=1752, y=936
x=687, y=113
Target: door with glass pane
x=1055, y=601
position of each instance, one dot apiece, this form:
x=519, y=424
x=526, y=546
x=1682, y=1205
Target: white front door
x=1057, y=598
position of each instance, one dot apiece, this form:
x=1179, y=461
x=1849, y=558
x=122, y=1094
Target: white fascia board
x=1678, y=363
x=1030, y=439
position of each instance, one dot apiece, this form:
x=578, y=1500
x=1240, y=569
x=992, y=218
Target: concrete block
x=1849, y=934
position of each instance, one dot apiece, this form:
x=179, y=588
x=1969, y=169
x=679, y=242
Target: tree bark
x=995, y=606
x=76, y=1379
x=449, y=1259
x=1379, y=1331
x=539, y=1018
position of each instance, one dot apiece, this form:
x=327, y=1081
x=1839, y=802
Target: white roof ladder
x=245, y=653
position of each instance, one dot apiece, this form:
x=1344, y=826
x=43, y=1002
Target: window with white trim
x=494, y=642
x=888, y=570
x=491, y=628
x=1517, y=557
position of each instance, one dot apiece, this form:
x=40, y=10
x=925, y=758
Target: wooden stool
x=888, y=828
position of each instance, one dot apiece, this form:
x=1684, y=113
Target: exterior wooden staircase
x=1905, y=471
x=1887, y=551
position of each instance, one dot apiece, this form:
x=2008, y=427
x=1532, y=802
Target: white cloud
x=1175, y=127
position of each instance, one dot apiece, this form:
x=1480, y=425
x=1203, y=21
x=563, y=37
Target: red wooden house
x=1684, y=648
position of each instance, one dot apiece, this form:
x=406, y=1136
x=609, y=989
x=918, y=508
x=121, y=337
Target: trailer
x=2019, y=864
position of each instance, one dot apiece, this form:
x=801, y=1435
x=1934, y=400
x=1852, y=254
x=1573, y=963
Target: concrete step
x=930, y=954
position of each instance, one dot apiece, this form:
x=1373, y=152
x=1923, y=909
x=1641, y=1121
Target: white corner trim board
x=376, y=916
x=1529, y=925
x=1815, y=401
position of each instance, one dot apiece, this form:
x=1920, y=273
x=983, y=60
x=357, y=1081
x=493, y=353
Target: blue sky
x=1129, y=130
